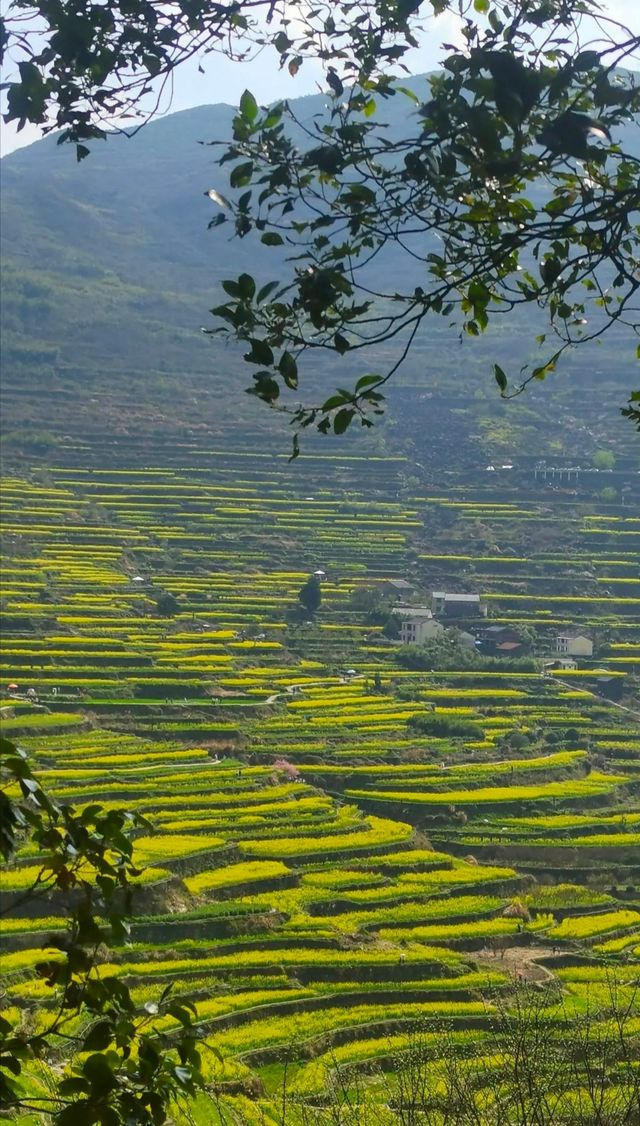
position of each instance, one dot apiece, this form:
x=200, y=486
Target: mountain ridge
x=110, y=274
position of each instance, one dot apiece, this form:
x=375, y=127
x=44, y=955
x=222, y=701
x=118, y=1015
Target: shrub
x=440, y=728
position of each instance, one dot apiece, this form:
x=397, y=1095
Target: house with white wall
x=574, y=643
x=417, y=624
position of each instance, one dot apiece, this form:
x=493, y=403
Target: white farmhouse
x=574, y=643
x=417, y=624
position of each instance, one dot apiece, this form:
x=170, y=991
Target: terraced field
x=345, y=847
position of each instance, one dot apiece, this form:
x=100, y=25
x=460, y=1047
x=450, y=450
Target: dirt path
x=292, y=689
x=520, y=962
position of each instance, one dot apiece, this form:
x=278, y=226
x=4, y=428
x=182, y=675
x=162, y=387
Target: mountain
x=109, y=273
x=107, y=267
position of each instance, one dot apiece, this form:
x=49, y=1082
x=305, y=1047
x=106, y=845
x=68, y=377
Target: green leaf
x=408, y=94
x=246, y=286
x=367, y=381
x=149, y=1053
x=98, y=1071
x=232, y=288
x=248, y=106
x=90, y=812
x=10, y=1064
x=272, y=238
x=288, y=369
x=98, y=1037
x=27, y=99
x=550, y=269
x=342, y=420
x=266, y=387
x=266, y=291
x=334, y=401
x=260, y=353
x=82, y=1112
x=586, y=60
x=500, y=378
x=73, y=1085
x=273, y=117
x=241, y=175
x=281, y=42
x=111, y=1117
x=22, y=1048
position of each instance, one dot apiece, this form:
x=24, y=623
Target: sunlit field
x=322, y=875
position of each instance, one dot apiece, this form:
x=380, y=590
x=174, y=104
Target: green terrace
x=344, y=847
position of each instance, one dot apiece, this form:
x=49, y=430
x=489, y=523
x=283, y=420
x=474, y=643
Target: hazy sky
x=224, y=81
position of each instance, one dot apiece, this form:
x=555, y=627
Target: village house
x=417, y=624
x=608, y=685
x=499, y=641
x=574, y=643
x=561, y=663
x=449, y=605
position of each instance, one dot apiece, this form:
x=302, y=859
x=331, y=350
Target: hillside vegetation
x=109, y=275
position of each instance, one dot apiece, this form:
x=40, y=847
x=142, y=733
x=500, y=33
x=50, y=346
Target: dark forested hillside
x=110, y=272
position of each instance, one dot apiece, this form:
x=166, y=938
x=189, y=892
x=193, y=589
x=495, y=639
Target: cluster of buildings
x=419, y=624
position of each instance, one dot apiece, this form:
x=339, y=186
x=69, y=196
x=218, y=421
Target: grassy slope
x=110, y=272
